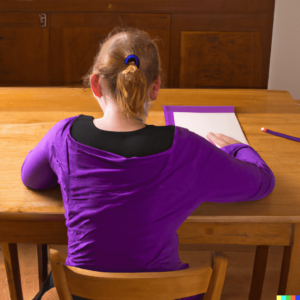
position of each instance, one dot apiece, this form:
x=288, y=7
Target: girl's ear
x=155, y=88
x=95, y=85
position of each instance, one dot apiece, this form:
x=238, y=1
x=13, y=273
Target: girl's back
x=126, y=193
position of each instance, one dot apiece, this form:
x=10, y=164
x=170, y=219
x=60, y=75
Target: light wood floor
x=237, y=283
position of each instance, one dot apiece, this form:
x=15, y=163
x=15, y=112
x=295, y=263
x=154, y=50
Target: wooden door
x=204, y=44
x=75, y=39
x=223, y=47
x=24, y=45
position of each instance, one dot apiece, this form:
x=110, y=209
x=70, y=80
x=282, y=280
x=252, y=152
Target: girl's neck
x=110, y=124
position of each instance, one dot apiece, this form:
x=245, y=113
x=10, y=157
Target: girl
x=127, y=186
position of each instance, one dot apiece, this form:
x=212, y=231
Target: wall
x=284, y=71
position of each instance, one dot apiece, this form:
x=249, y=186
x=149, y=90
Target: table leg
x=259, y=270
x=42, y=253
x=290, y=270
x=284, y=270
x=11, y=261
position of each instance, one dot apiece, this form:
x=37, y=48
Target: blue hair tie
x=131, y=58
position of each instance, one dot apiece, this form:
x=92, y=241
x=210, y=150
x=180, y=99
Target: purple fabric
x=122, y=214
x=170, y=109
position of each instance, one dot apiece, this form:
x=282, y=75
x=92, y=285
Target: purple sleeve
x=237, y=174
x=36, y=171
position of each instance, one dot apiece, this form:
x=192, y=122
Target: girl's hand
x=221, y=139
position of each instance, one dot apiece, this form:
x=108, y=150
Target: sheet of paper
x=203, y=123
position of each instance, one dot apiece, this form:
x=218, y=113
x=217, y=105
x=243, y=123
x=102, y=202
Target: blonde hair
x=127, y=83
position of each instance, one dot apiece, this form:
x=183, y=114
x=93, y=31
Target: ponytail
x=131, y=90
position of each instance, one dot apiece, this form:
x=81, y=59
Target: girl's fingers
x=214, y=136
x=224, y=137
x=227, y=139
x=215, y=139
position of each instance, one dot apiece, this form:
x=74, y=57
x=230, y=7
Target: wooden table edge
x=56, y=217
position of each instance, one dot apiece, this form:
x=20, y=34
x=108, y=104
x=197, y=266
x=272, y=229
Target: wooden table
x=36, y=216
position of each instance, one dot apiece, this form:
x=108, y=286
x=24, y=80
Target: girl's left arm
x=36, y=171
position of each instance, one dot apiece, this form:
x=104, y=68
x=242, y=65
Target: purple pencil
x=281, y=135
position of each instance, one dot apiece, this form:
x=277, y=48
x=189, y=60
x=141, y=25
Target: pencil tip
x=263, y=129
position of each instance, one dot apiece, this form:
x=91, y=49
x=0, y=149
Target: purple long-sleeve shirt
x=122, y=214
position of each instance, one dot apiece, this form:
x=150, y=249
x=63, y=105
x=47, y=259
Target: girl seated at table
x=127, y=186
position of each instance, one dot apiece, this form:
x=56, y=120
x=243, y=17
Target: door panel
x=75, y=39
x=24, y=57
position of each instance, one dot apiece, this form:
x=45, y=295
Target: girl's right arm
x=233, y=173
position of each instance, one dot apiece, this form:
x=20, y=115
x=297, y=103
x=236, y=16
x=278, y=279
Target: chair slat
x=135, y=286
x=141, y=286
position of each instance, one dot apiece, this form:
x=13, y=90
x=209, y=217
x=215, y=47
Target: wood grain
x=219, y=264
x=208, y=56
x=22, y=128
x=28, y=113
x=155, y=6
x=36, y=232
x=42, y=254
x=63, y=51
x=285, y=268
x=24, y=50
x=11, y=262
x=223, y=59
x=292, y=285
x=228, y=233
x=207, y=279
x=75, y=39
x=259, y=269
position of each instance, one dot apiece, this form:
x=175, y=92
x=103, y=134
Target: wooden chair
x=136, y=286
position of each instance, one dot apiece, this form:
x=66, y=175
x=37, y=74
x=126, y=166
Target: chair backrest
x=135, y=286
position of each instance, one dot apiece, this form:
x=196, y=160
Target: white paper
x=203, y=123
